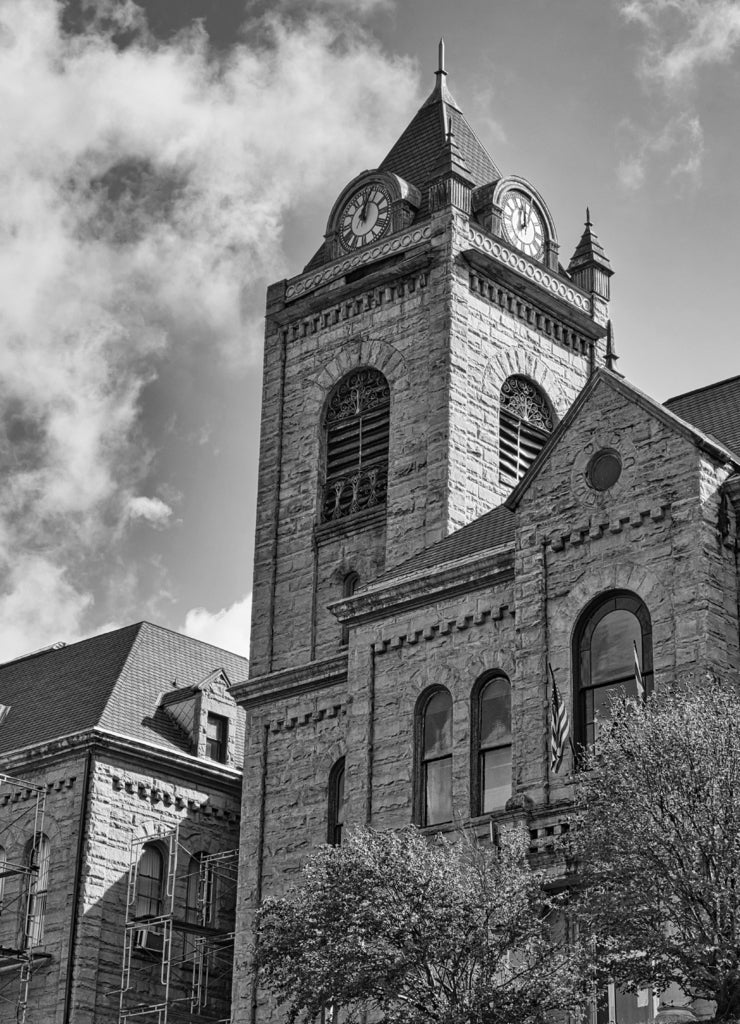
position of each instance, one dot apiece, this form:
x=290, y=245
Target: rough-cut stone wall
x=445, y=349
x=128, y=804
x=63, y=783
x=654, y=533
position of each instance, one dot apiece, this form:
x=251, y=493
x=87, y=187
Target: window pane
x=612, y=653
x=438, y=791
x=438, y=725
x=495, y=713
x=216, y=738
x=149, y=883
x=495, y=778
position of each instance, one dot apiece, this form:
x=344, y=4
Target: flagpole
x=548, y=691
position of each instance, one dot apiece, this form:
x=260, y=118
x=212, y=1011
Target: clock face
x=523, y=224
x=365, y=217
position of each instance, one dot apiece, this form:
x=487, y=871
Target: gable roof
x=491, y=530
x=714, y=409
x=113, y=682
x=416, y=153
x=715, y=447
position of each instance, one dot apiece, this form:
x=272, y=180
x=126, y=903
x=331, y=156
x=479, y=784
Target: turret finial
x=611, y=352
x=588, y=218
x=441, y=69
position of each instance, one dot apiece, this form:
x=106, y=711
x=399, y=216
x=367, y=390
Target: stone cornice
x=312, y=676
x=147, y=757
x=303, y=284
x=425, y=585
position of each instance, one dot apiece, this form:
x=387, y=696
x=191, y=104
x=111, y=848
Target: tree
x=420, y=930
x=657, y=844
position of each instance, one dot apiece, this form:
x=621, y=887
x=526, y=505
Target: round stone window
x=604, y=469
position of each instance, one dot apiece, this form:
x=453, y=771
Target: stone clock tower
x=411, y=372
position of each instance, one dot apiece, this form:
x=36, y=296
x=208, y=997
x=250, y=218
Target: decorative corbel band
x=309, y=718
x=443, y=627
x=616, y=524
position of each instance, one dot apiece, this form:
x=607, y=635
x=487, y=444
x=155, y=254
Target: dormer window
x=217, y=730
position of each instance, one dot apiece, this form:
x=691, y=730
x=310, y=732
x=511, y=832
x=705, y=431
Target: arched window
x=491, y=761
x=37, y=888
x=525, y=420
x=336, y=803
x=149, y=878
x=357, y=430
x=434, y=744
x=350, y=584
x=613, y=642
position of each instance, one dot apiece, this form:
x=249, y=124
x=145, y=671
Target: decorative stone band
x=305, y=283
x=442, y=627
x=616, y=524
x=529, y=269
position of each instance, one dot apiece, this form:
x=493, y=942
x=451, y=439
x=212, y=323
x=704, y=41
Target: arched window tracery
x=525, y=421
x=357, y=429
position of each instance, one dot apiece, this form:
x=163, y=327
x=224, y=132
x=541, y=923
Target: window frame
x=476, y=750
x=157, y=900
x=337, y=803
x=350, y=583
x=222, y=723
x=37, y=890
x=588, y=620
x=420, y=809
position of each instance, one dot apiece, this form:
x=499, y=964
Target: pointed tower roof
x=415, y=155
x=589, y=250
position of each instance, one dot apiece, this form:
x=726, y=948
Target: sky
x=163, y=162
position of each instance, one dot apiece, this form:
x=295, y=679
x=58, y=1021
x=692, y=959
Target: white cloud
x=151, y=510
x=683, y=36
x=228, y=628
x=143, y=193
x=674, y=150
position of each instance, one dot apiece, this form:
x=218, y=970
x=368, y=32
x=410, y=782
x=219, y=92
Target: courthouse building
x=456, y=488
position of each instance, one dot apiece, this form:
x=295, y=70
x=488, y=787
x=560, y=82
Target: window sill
x=324, y=532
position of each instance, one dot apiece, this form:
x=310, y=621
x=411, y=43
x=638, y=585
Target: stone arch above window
x=491, y=743
x=357, y=428
x=612, y=655
x=525, y=421
x=433, y=733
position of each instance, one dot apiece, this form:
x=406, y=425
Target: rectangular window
x=216, y=737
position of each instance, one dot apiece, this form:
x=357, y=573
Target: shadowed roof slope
x=714, y=409
x=492, y=530
x=415, y=154
x=113, y=682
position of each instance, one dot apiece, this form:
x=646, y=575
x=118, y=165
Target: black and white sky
x=164, y=160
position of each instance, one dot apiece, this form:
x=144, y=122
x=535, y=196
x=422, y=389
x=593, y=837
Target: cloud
x=151, y=510
x=683, y=36
x=143, y=194
x=673, y=150
x=228, y=628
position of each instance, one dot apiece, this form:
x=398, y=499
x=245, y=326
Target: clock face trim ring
x=523, y=224
x=365, y=217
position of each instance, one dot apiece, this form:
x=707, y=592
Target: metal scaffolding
x=177, y=965
x=22, y=892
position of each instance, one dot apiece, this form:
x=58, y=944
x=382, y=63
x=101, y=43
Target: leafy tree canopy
x=419, y=930
x=658, y=844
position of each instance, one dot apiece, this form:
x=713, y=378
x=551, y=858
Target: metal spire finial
x=441, y=68
x=588, y=218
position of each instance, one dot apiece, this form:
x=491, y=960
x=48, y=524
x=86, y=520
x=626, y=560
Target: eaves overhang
x=289, y=682
x=421, y=587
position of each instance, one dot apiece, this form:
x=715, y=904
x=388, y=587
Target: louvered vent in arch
x=357, y=431
x=525, y=421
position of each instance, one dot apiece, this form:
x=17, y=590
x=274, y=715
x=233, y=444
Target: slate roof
x=415, y=154
x=113, y=682
x=491, y=530
x=714, y=410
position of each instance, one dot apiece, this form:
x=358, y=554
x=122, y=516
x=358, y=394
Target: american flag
x=559, y=726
